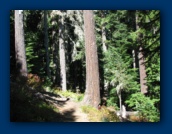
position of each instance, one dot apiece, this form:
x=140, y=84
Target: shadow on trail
x=68, y=116
x=51, y=94
x=43, y=114
x=39, y=111
x=26, y=107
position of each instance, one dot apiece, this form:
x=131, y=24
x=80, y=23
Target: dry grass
x=137, y=118
x=102, y=115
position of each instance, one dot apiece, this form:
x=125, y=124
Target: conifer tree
x=20, y=44
x=46, y=43
x=62, y=52
x=142, y=69
x=92, y=93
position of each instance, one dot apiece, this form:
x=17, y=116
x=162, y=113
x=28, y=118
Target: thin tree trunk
x=134, y=51
x=142, y=68
x=46, y=43
x=120, y=103
x=104, y=38
x=54, y=49
x=104, y=34
x=134, y=58
x=92, y=93
x=104, y=48
x=19, y=44
x=54, y=52
x=62, y=53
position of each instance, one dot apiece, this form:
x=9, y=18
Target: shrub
x=102, y=115
x=24, y=106
x=77, y=97
x=34, y=81
x=145, y=106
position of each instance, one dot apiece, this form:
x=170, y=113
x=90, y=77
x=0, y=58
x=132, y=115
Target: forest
x=84, y=65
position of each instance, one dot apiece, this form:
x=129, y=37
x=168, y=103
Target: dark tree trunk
x=46, y=43
x=55, y=74
x=142, y=68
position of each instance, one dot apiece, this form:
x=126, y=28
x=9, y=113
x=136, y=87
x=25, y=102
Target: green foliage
x=153, y=79
x=115, y=65
x=118, y=72
x=80, y=97
x=69, y=94
x=145, y=106
x=150, y=29
x=113, y=99
x=47, y=82
x=112, y=102
x=117, y=61
x=33, y=41
x=86, y=109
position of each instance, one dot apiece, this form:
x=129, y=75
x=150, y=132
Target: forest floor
x=39, y=105
x=69, y=110
x=33, y=105
x=72, y=110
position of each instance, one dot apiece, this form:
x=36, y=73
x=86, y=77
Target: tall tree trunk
x=62, y=52
x=104, y=48
x=46, y=43
x=135, y=58
x=142, y=68
x=103, y=33
x=55, y=74
x=120, y=103
x=54, y=53
x=92, y=93
x=19, y=44
x=104, y=38
x=134, y=51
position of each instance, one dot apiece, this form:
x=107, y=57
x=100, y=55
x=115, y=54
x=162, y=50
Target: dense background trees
x=128, y=51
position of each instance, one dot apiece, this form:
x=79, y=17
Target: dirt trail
x=76, y=111
x=69, y=110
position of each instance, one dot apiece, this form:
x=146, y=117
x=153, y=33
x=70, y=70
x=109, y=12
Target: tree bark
x=142, y=68
x=46, y=43
x=103, y=33
x=62, y=52
x=55, y=74
x=104, y=38
x=92, y=93
x=19, y=44
x=104, y=48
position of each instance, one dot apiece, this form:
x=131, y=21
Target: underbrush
x=145, y=106
x=68, y=94
x=102, y=115
x=25, y=107
x=137, y=118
